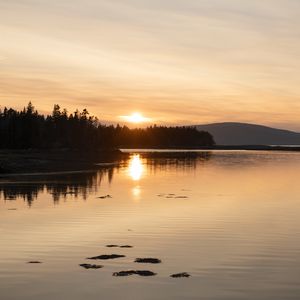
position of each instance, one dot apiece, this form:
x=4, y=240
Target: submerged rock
x=126, y=246
x=180, y=275
x=112, y=246
x=34, y=262
x=134, y=272
x=90, y=266
x=148, y=260
x=107, y=256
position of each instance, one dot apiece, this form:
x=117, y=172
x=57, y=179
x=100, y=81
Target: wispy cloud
x=195, y=61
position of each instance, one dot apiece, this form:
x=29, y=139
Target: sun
x=136, y=118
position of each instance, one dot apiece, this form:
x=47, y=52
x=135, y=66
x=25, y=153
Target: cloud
x=176, y=60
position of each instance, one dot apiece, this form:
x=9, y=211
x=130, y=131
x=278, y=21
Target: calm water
x=233, y=224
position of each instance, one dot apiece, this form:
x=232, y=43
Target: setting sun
x=135, y=117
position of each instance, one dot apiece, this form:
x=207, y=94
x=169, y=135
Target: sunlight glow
x=135, y=118
x=136, y=167
x=136, y=191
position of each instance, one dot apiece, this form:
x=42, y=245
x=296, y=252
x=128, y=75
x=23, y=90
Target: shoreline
x=47, y=161
x=63, y=160
x=217, y=147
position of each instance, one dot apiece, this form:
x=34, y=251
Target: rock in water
x=148, y=260
x=105, y=197
x=180, y=275
x=134, y=272
x=145, y=273
x=105, y=257
x=124, y=273
x=117, y=246
x=90, y=266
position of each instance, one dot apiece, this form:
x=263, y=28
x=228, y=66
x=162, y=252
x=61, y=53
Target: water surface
x=230, y=219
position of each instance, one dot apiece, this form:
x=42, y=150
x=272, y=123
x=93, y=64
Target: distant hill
x=249, y=134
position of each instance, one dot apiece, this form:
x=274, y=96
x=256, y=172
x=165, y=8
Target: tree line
x=27, y=129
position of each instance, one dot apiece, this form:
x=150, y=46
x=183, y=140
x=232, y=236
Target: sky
x=175, y=61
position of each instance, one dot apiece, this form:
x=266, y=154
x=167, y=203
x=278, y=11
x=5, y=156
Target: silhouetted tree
x=28, y=129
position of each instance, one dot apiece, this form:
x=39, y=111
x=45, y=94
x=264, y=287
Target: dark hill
x=249, y=134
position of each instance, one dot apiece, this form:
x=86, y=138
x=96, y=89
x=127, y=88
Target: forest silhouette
x=27, y=129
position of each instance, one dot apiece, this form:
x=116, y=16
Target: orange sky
x=177, y=62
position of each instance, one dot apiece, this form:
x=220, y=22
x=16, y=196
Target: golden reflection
x=136, y=191
x=136, y=167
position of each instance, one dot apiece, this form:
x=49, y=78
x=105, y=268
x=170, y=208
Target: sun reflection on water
x=136, y=167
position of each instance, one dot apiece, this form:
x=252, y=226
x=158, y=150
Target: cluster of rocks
x=144, y=273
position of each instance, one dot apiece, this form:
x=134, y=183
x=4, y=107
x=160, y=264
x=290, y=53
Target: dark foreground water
x=229, y=219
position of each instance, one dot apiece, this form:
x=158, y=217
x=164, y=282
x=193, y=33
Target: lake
x=228, y=218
